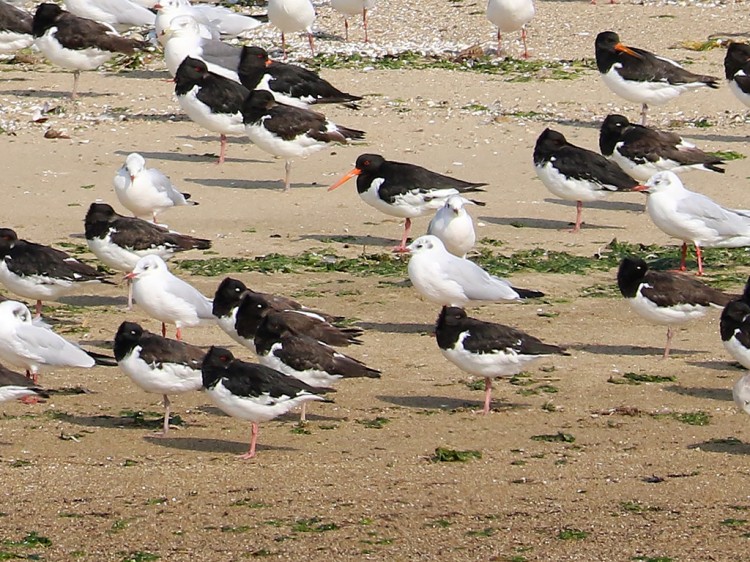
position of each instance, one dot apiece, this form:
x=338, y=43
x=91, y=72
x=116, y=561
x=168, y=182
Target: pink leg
x=346, y=29
x=499, y=43
x=222, y=153
x=579, y=217
x=130, y=294
x=700, y=259
x=253, y=440
x=487, y=395
x=38, y=309
x=283, y=44
x=670, y=333
x=401, y=248
x=76, y=76
x=178, y=334
x=312, y=45
x=163, y=330
x=683, y=257
x=287, y=174
x=364, y=23
x=167, y=411
x=153, y=217
x=523, y=39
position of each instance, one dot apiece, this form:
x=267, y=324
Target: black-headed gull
x=403, y=190
x=77, y=43
x=643, y=151
x=167, y=298
x=353, y=8
x=289, y=83
x=210, y=100
x=146, y=192
x=642, y=77
x=486, y=349
x=213, y=20
x=735, y=327
x=448, y=280
x=33, y=346
x=453, y=225
x=15, y=386
x=509, y=16
x=116, y=13
x=252, y=392
x=576, y=174
x=282, y=344
x=290, y=132
x=737, y=70
x=119, y=242
x=15, y=29
x=693, y=217
x=39, y=272
x=290, y=16
x=157, y=364
x=665, y=298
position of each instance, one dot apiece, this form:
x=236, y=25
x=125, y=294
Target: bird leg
x=499, y=43
x=683, y=257
x=523, y=39
x=579, y=217
x=287, y=172
x=346, y=29
x=165, y=426
x=283, y=45
x=487, y=395
x=253, y=440
x=644, y=109
x=401, y=248
x=76, y=76
x=178, y=334
x=310, y=40
x=699, y=255
x=222, y=152
x=163, y=330
x=364, y=23
x=303, y=415
x=130, y=294
x=38, y=309
x=670, y=333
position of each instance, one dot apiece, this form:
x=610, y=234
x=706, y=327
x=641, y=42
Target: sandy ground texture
x=83, y=478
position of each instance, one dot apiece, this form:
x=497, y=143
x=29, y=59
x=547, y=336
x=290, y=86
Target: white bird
x=166, y=297
x=213, y=20
x=693, y=217
x=447, y=280
x=509, y=16
x=33, y=346
x=353, y=8
x=182, y=38
x=290, y=16
x=453, y=225
x=146, y=192
x=113, y=12
x=741, y=393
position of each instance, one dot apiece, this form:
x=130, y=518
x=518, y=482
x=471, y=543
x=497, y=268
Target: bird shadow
x=394, y=328
x=350, y=240
x=604, y=349
x=602, y=205
x=146, y=74
x=159, y=117
x=54, y=94
x=173, y=156
x=94, y=300
x=718, y=138
x=725, y=445
x=208, y=445
x=723, y=394
x=270, y=185
x=446, y=404
x=722, y=366
x=527, y=222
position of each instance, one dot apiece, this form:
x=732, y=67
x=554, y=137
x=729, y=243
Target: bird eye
x=223, y=358
x=366, y=162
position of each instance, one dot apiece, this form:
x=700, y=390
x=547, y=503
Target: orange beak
x=641, y=188
x=346, y=178
x=625, y=49
x=130, y=275
x=269, y=62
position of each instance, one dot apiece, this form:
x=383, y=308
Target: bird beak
x=269, y=62
x=641, y=188
x=625, y=49
x=132, y=177
x=130, y=276
x=346, y=178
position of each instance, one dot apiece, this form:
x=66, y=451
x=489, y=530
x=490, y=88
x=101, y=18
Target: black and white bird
x=41, y=273
x=735, y=327
x=404, y=190
x=693, y=218
x=448, y=280
x=157, y=364
x=486, y=349
x=282, y=344
x=453, y=225
x=665, y=298
x=15, y=29
x=15, y=386
x=33, y=346
x=210, y=100
x=642, y=77
x=290, y=132
x=252, y=392
x=146, y=192
x=240, y=310
x=168, y=298
x=289, y=83
x=119, y=242
x=77, y=43
x=576, y=174
x=643, y=151
x=737, y=70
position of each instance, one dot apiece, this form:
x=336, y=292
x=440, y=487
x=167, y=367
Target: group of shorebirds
x=239, y=90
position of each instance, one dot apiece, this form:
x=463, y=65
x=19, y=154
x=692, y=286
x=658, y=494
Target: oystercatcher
x=737, y=70
x=289, y=132
x=735, y=327
x=642, y=77
x=15, y=29
x=252, y=392
x=15, y=386
x=403, y=190
x=575, y=173
x=486, y=349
